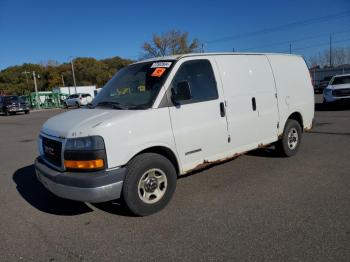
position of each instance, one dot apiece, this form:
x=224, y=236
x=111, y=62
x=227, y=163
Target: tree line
x=88, y=71
x=330, y=57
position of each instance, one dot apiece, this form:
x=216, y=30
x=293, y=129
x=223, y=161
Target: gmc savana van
x=158, y=119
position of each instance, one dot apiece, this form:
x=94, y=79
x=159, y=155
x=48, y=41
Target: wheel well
x=166, y=152
x=297, y=117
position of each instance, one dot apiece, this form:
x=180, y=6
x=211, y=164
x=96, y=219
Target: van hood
x=83, y=122
x=342, y=86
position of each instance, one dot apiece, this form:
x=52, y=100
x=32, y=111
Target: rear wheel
x=26, y=112
x=77, y=104
x=289, y=144
x=65, y=105
x=149, y=184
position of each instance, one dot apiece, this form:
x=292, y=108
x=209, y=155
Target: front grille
x=52, y=151
x=341, y=92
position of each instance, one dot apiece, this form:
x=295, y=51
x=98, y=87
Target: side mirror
x=183, y=92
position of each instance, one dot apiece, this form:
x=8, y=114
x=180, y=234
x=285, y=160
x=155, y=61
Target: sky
x=37, y=30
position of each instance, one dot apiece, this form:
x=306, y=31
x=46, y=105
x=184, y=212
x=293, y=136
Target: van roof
x=178, y=57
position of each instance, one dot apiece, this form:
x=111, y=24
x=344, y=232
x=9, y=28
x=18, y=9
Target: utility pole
x=330, y=50
x=36, y=91
x=63, y=85
x=75, y=83
x=290, y=47
x=26, y=73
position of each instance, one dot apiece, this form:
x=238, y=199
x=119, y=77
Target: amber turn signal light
x=84, y=164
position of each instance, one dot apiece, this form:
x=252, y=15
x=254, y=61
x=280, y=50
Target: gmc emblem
x=49, y=150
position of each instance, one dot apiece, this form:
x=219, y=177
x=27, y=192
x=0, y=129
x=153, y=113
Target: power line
x=294, y=41
x=318, y=45
x=282, y=27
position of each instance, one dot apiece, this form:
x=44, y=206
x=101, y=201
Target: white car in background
x=338, y=89
x=77, y=100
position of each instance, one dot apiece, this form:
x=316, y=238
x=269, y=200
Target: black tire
x=77, y=104
x=26, y=112
x=289, y=143
x=65, y=105
x=136, y=170
x=7, y=113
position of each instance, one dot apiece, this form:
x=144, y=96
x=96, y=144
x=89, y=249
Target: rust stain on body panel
x=207, y=163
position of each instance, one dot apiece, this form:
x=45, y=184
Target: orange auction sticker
x=158, y=72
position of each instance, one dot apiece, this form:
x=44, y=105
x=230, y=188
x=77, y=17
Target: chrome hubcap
x=152, y=186
x=293, y=138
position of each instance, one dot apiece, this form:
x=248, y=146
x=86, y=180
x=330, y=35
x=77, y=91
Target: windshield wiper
x=115, y=105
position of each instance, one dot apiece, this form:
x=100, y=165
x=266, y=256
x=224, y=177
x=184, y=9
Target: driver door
x=199, y=123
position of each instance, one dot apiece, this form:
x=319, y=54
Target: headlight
x=85, y=143
x=85, y=153
x=327, y=91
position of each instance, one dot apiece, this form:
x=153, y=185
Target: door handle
x=222, y=109
x=254, y=104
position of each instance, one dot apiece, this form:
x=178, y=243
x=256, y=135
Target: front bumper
x=332, y=98
x=92, y=187
x=17, y=109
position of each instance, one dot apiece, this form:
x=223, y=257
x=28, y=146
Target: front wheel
x=149, y=184
x=289, y=143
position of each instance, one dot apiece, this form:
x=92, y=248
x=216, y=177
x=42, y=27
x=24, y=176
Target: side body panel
x=294, y=89
x=128, y=136
x=246, y=78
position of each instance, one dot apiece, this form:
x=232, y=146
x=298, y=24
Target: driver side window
x=200, y=78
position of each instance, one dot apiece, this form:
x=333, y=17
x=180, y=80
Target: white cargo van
x=158, y=119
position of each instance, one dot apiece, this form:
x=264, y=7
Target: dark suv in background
x=13, y=104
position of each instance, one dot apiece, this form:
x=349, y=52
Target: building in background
x=78, y=89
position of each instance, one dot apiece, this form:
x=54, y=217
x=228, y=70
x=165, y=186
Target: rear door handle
x=253, y=104
x=222, y=109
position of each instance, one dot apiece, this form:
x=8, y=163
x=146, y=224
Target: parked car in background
x=338, y=89
x=322, y=85
x=77, y=100
x=10, y=105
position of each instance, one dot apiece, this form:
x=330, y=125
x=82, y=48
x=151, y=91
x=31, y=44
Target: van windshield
x=12, y=99
x=134, y=87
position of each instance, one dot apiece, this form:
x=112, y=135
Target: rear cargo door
x=239, y=93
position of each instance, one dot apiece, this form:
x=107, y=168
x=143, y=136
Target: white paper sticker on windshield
x=161, y=64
